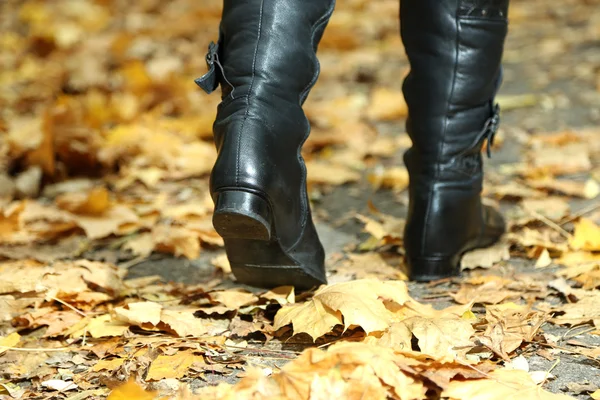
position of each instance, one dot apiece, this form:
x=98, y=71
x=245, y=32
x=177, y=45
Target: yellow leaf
x=487, y=257
x=94, y=202
x=109, y=365
x=587, y=236
x=9, y=341
x=596, y=395
x=175, y=366
x=182, y=322
x=103, y=326
x=387, y=105
x=359, y=303
x=444, y=339
x=129, y=391
x=139, y=313
x=392, y=178
x=233, y=299
x=321, y=172
x=502, y=384
x=282, y=295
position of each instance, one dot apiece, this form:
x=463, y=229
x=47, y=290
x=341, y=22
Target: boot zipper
x=210, y=81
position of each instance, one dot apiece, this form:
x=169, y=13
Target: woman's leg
x=265, y=62
x=455, y=51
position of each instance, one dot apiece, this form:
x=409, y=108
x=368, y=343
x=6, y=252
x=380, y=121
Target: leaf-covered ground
x=114, y=283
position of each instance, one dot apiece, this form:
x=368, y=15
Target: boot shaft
x=268, y=47
x=455, y=49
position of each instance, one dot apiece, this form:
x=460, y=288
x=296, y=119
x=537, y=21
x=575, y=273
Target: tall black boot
x=455, y=50
x=266, y=64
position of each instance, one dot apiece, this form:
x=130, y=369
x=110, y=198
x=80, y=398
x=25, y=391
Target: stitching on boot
x=239, y=144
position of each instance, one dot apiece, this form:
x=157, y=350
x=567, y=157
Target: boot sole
x=244, y=221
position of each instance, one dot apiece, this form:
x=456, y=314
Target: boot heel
x=242, y=215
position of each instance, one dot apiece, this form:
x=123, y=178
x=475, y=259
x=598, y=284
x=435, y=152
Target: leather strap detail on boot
x=209, y=82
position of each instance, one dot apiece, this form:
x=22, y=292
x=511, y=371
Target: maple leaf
x=359, y=303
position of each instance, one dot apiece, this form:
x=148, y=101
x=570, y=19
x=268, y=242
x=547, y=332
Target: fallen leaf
x=320, y=172
x=392, y=178
x=175, y=366
x=359, y=303
x=131, y=390
x=544, y=260
x=586, y=236
x=109, y=364
x=233, y=299
x=387, y=105
x=11, y=340
x=59, y=385
x=500, y=385
x=487, y=257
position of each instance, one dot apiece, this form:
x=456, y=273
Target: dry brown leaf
x=443, y=339
x=385, y=228
x=320, y=172
x=370, y=265
x=586, y=310
x=233, y=299
x=508, y=326
x=62, y=279
x=501, y=384
x=282, y=295
x=103, y=326
x=487, y=257
x=359, y=303
x=553, y=208
x=171, y=366
x=490, y=291
x=109, y=364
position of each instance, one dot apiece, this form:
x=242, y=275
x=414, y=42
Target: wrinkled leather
x=267, y=49
x=455, y=49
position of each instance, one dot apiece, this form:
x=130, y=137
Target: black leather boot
x=455, y=50
x=266, y=63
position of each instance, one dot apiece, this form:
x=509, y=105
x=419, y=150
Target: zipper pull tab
x=210, y=81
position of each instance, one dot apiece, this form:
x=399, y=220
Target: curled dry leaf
x=508, y=326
